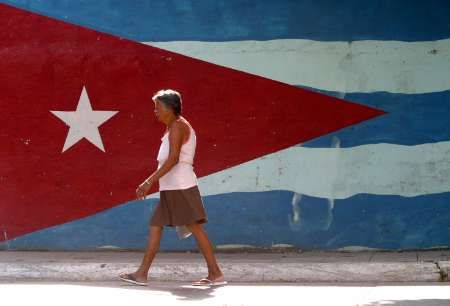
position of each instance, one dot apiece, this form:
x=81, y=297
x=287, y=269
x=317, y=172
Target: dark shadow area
x=183, y=291
x=421, y=302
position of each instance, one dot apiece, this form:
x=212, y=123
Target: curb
x=443, y=267
x=235, y=271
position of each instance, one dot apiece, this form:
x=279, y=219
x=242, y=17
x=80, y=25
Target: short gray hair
x=170, y=98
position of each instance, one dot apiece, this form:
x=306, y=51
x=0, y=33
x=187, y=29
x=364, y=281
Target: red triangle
x=45, y=63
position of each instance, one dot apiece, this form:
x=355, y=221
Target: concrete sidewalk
x=296, y=266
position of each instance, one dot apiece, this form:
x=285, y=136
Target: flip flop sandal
x=202, y=282
x=130, y=278
x=219, y=281
x=208, y=282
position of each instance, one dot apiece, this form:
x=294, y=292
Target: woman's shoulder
x=182, y=126
x=183, y=122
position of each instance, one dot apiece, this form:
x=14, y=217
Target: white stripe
x=339, y=173
x=357, y=66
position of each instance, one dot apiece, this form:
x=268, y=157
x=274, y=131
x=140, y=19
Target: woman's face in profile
x=160, y=111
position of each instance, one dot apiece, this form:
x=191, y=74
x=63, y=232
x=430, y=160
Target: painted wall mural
x=320, y=126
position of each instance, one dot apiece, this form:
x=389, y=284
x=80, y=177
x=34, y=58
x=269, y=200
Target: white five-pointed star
x=84, y=122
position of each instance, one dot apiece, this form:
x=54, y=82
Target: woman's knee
x=156, y=229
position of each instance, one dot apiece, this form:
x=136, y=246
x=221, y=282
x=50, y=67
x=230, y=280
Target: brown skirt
x=179, y=208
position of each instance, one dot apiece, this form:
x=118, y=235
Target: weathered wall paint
x=382, y=183
x=362, y=66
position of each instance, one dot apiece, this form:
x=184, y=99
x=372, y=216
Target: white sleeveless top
x=182, y=175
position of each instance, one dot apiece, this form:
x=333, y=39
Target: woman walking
x=180, y=204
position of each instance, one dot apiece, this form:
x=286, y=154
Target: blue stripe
x=411, y=119
x=225, y=20
x=263, y=219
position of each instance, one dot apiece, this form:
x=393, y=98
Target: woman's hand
x=143, y=188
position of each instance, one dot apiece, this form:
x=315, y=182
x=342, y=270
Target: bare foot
x=214, y=275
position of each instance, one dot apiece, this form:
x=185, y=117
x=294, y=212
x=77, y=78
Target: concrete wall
x=380, y=183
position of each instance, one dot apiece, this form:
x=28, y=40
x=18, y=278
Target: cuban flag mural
x=320, y=124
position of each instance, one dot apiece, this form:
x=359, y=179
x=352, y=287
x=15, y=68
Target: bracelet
x=146, y=182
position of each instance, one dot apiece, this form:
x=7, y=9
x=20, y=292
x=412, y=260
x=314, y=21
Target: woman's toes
x=124, y=274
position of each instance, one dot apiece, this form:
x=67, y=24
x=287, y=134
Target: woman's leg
x=207, y=250
x=154, y=240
